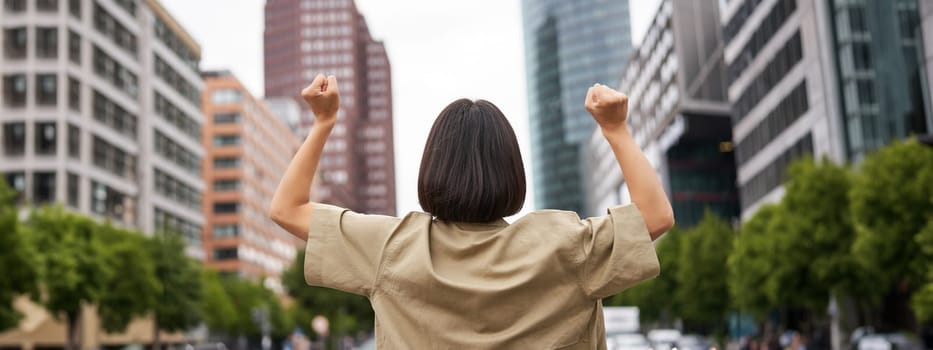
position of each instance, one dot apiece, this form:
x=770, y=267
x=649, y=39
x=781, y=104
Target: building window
x=43, y=187
x=226, y=208
x=166, y=222
x=782, y=62
x=861, y=55
x=74, y=94
x=113, y=115
x=111, y=71
x=110, y=203
x=14, y=139
x=779, y=119
x=225, y=96
x=15, y=5
x=176, y=153
x=177, y=81
x=128, y=5
x=772, y=175
x=46, y=89
x=226, y=185
x=226, y=140
x=74, y=7
x=226, y=162
x=73, y=185
x=47, y=5
x=17, y=181
x=74, y=47
x=221, y=231
x=74, y=142
x=47, y=42
x=221, y=254
x=227, y=118
x=114, y=30
x=174, y=189
x=762, y=35
x=14, y=90
x=45, y=135
x=113, y=159
x=174, y=43
x=174, y=115
x=14, y=42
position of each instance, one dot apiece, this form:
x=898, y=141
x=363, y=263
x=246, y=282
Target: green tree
x=347, y=312
x=793, y=256
x=217, y=308
x=820, y=233
x=752, y=285
x=280, y=317
x=892, y=204
x=701, y=276
x=246, y=297
x=130, y=286
x=73, y=274
x=251, y=301
x=655, y=299
x=19, y=273
x=923, y=299
x=179, y=292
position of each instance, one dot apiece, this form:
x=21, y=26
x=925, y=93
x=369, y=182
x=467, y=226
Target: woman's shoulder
x=553, y=219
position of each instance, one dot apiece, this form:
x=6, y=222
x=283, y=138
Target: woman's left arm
x=291, y=207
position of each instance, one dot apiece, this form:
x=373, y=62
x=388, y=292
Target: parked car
x=663, y=339
x=627, y=341
x=888, y=341
x=693, y=342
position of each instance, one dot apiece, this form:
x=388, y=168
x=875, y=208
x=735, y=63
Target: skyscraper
x=569, y=45
x=822, y=78
x=247, y=150
x=101, y=99
x=306, y=37
x=678, y=114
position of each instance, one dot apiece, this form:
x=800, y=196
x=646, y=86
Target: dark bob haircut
x=471, y=170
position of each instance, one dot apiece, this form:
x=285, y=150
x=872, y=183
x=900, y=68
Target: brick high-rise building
x=247, y=151
x=307, y=37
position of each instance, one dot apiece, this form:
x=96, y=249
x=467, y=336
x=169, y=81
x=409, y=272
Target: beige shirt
x=534, y=284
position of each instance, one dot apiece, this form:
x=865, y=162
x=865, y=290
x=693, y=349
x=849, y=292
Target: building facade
x=678, y=114
x=569, y=46
x=835, y=79
x=247, y=151
x=101, y=112
x=304, y=38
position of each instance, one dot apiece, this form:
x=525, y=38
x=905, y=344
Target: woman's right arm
x=610, y=110
x=291, y=207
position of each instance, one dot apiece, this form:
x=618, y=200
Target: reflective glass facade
x=878, y=53
x=569, y=45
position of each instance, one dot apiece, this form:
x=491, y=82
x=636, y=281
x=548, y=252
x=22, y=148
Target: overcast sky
x=440, y=50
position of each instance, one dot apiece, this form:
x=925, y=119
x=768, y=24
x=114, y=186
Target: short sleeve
x=618, y=252
x=345, y=248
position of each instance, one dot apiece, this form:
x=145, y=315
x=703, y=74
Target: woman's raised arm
x=610, y=109
x=291, y=206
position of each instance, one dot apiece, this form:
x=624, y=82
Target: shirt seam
x=581, y=266
x=386, y=258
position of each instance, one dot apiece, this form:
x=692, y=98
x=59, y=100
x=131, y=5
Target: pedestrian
x=457, y=276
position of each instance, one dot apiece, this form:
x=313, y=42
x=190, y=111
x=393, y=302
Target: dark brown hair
x=471, y=170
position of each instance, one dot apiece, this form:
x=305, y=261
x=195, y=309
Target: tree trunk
x=71, y=340
x=156, y=342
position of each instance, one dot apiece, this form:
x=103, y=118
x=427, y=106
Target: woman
x=457, y=276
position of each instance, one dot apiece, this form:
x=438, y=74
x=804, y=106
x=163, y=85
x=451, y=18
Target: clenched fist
x=323, y=97
x=608, y=107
